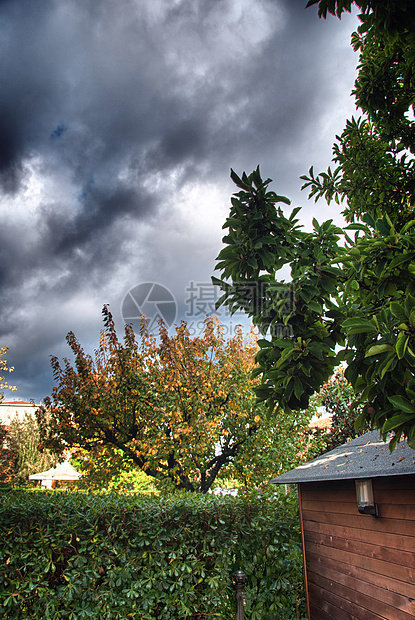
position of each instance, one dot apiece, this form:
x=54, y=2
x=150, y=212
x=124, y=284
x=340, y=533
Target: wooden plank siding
x=359, y=567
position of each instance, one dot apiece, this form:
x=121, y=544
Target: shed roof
x=366, y=456
x=62, y=471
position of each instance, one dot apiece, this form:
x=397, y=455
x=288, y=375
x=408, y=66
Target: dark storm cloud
x=111, y=113
x=98, y=213
x=122, y=84
x=9, y=142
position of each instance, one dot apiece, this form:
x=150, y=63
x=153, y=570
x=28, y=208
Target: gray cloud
x=119, y=123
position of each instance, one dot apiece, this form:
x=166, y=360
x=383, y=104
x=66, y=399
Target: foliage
x=274, y=449
x=106, y=470
x=181, y=409
x=360, y=291
x=7, y=459
x=393, y=20
x=89, y=556
x=336, y=397
x=261, y=240
x=375, y=175
x=19, y=452
x=374, y=171
x=3, y=369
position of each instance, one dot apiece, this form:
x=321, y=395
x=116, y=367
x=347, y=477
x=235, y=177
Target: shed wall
x=358, y=566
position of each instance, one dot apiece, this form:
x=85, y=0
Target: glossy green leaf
x=378, y=349
x=400, y=402
x=395, y=422
x=402, y=345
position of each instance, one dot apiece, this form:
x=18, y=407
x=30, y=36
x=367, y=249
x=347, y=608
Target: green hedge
x=76, y=556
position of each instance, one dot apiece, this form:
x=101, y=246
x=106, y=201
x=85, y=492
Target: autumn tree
x=3, y=369
x=7, y=455
x=353, y=288
x=180, y=408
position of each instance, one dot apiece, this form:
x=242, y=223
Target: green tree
x=7, y=458
x=352, y=287
x=181, y=408
x=107, y=469
x=393, y=20
x=375, y=179
x=336, y=397
x=23, y=438
x=300, y=317
x=19, y=452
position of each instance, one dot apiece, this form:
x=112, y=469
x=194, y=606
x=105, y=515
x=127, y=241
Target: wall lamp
x=364, y=495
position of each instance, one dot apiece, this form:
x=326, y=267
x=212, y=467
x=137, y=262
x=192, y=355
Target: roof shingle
x=366, y=456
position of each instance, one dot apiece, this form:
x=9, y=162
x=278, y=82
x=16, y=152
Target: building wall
x=16, y=410
x=358, y=566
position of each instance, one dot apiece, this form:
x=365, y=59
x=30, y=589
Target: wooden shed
x=357, y=565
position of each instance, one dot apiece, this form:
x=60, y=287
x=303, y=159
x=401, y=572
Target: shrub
x=82, y=556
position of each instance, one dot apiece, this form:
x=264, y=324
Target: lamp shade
x=364, y=495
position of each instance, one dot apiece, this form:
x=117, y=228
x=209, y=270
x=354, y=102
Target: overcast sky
x=119, y=123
